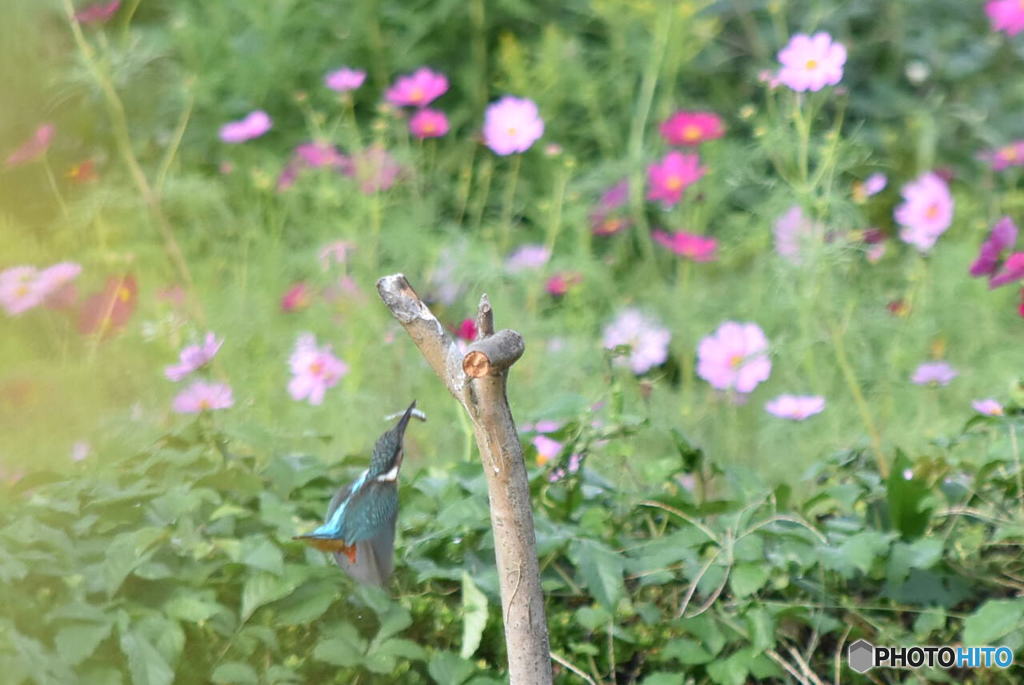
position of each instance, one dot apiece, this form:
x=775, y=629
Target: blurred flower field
x=764, y=255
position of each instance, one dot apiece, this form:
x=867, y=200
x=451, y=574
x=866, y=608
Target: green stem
x=54, y=187
x=508, y=204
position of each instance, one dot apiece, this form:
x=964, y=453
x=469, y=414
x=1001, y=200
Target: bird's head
x=388, y=452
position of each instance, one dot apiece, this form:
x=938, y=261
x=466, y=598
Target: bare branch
x=484, y=318
x=493, y=354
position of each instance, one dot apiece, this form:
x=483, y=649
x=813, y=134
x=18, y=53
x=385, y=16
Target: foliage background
x=165, y=556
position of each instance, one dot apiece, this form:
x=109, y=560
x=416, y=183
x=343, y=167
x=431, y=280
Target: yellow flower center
x=674, y=183
x=932, y=213
x=204, y=403
x=735, y=360
x=511, y=130
x=316, y=368
x=1009, y=152
x=22, y=290
x=812, y=64
x=416, y=94
x=428, y=127
x=691, y=132
x=124, y=294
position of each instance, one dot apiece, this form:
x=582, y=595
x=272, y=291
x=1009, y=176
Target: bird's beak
x=404, y=421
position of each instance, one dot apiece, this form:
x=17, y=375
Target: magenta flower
x=1005, y=156
x=647, y=340
x=98, y=13
x=335, y=253
x=691, y=128
x=811, y=62
x=297, y=297
x=547, y=449
x=988, y=406
x=512, y=125
x=1006, y=15
x=527, y=257
x=254, y=125
x=560, y=283
x=670, y=177
x=1012, y=270
x=698, y=248
x=466, y=330
x=20, y=289
x=194, y=357
x=926, y=212
x=418, y=89
x=1002, y=237
x=314, y=370
x=33, y=148
x=734, y=357
x=375, y=169
x=934, y=373
x=605, y=219
x=312, y=156
x=792, y=232
x=203, y=396
x=344, y=79
x=428, y=123
x=795, y=407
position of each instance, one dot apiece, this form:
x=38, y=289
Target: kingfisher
x=359, y=529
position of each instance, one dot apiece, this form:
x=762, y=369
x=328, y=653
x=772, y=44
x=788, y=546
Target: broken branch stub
x=477, y=380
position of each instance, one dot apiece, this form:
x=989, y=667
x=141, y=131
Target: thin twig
x=686, y=517
x=575, y=669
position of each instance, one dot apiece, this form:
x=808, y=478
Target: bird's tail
x=334, y=545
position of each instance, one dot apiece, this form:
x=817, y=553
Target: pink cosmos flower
x=107, y=311
x=527, y=257
x=811, y=62
x=560, y=283
x=670, y=177
x=1006, y=15
x=691, y=128
x=33, y=148
x=428, y=123
x=734, y=357
x=335, y=252
x=418, y=89
x=80, y=451
x=605, y=219
x=988, y=406
x=203, y=396
x=647, y=340
x=1005, y=156
x=792, y=232
x=512, y=125
x=466, y=330
x=1002, y=237
x=312, y=156
x=314, y=370
x=374, y=169
x=254, y=125
x=1012, y=270
x=20, y=290
x=98, y=13
x=795, y=407
x=296, y=298
x=194, y=357
x=344, y=79
x=875, y=183
x=547, y=449
x=699, y=248
x=937, y=373
x=926, y=212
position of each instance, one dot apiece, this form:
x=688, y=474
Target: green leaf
x=761, y=624
x=601, y=569
x=686, y=651
x=905, y=499
x=306, y=604
x=343, y=646
x=746, y=579
x=263, y=588
x=731, y=671
x=923, y=554
x=662, y=678
x=993, y=620
x=78, y=641
x=192, y=605
x=235, y=672
x=145, y=663
x=126, y=552
x=448, y=668
x=474, y=616
x=260, y=553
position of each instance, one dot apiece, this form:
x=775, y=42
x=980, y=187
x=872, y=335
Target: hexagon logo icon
x=860, y=656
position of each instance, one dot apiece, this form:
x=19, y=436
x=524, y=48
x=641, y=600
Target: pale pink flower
x=927, y=211
x=696, y=247
x=374, y=169
x=20, y=289
x=875, y=183
x=1006, y=156
x=512, y=125
x=811, y=62
x=344, y=79
x=1002, y=237
x=547, y=449
x=297, y=297
x=314, y=370
x=1006, y=15
x=575, y=461
x=98, y=13
x=793, y=231
x=547, y=426
x=335, y=253
x=254, y=125
x=795, y=407
x=672, y=175
x=80, y=451
x=194, y=357
x=428, y=123
x=647, y=340
x=1012, y=270
x=988, y=406
x=605, y=217
x=527, y=257
x=33, y=148
x=937, y=373
x=203, y=396
x=418, y=89
x=691, y=128
x=734, y=357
